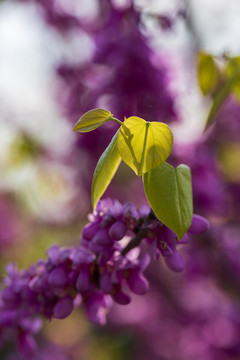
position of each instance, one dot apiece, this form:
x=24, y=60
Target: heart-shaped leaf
x=105, y=170
x=92, y=120
x=144, y=145
x=169, y=192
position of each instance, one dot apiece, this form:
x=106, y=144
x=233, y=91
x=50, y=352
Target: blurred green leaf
x=169, y=192
x=93, y=119
x=233, y=73
x=207, y=73
x=105, y=170
x=230, y=85
x=144, y=145
x=229, y=156
x=218, y=101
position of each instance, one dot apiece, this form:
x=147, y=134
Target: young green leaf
x=233, y=73
x=144, y=145
x=207, y=73
x=169, y=192
x=231, y=85
x=218, y=101
x=105, y=170
x=93, y=119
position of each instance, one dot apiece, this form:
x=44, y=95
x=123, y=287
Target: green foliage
x=92, y=120
x=169, y=192
x=233, y=74
x=207, y=73
x=144, y=145
x=105, y=170
x=218, y=81
x=217, y=102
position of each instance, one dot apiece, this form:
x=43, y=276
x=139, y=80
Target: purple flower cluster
x=164, y=241
x=104, y=268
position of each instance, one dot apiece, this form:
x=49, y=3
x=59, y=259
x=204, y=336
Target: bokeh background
x=61, y=58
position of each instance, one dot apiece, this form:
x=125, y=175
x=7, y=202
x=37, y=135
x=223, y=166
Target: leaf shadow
x=128, y=136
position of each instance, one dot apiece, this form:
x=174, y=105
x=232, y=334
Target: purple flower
x=199, y=225
x=137, y=283
x=175, y=261
x=63, y=308
x=96, y=306
x=118, y=230
x=58, y=277
x=83, y=280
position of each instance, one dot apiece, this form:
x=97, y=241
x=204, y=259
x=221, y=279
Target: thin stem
x=118, y=121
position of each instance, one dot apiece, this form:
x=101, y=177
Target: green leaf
x=233, y=73
x=218, y=101
x=92, y=120
x=144, y=145
x=207, y=73
x=169, y=192
x=105, y=170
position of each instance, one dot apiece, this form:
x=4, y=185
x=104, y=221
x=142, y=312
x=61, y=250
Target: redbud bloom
x=63, y=308
x=199, y=225
x=118, y=230
x=137, y=282
x=175, y=261
x=83, y=280
x=102, y=238
x=90, y=230
x=96, y=307
x=58, y=277
x=121, y=297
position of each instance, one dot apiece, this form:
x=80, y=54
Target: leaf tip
x=74, y=128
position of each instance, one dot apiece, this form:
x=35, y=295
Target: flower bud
x=118, y=230
x=63, y=308
x=121, y=297
x=199, y=225
x=58, y=277
x=90, y=230
x=175, y=262
x=137, y=282
x=83, y=280
x=102, y=238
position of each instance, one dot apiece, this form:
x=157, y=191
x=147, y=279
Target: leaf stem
x=118, y=121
